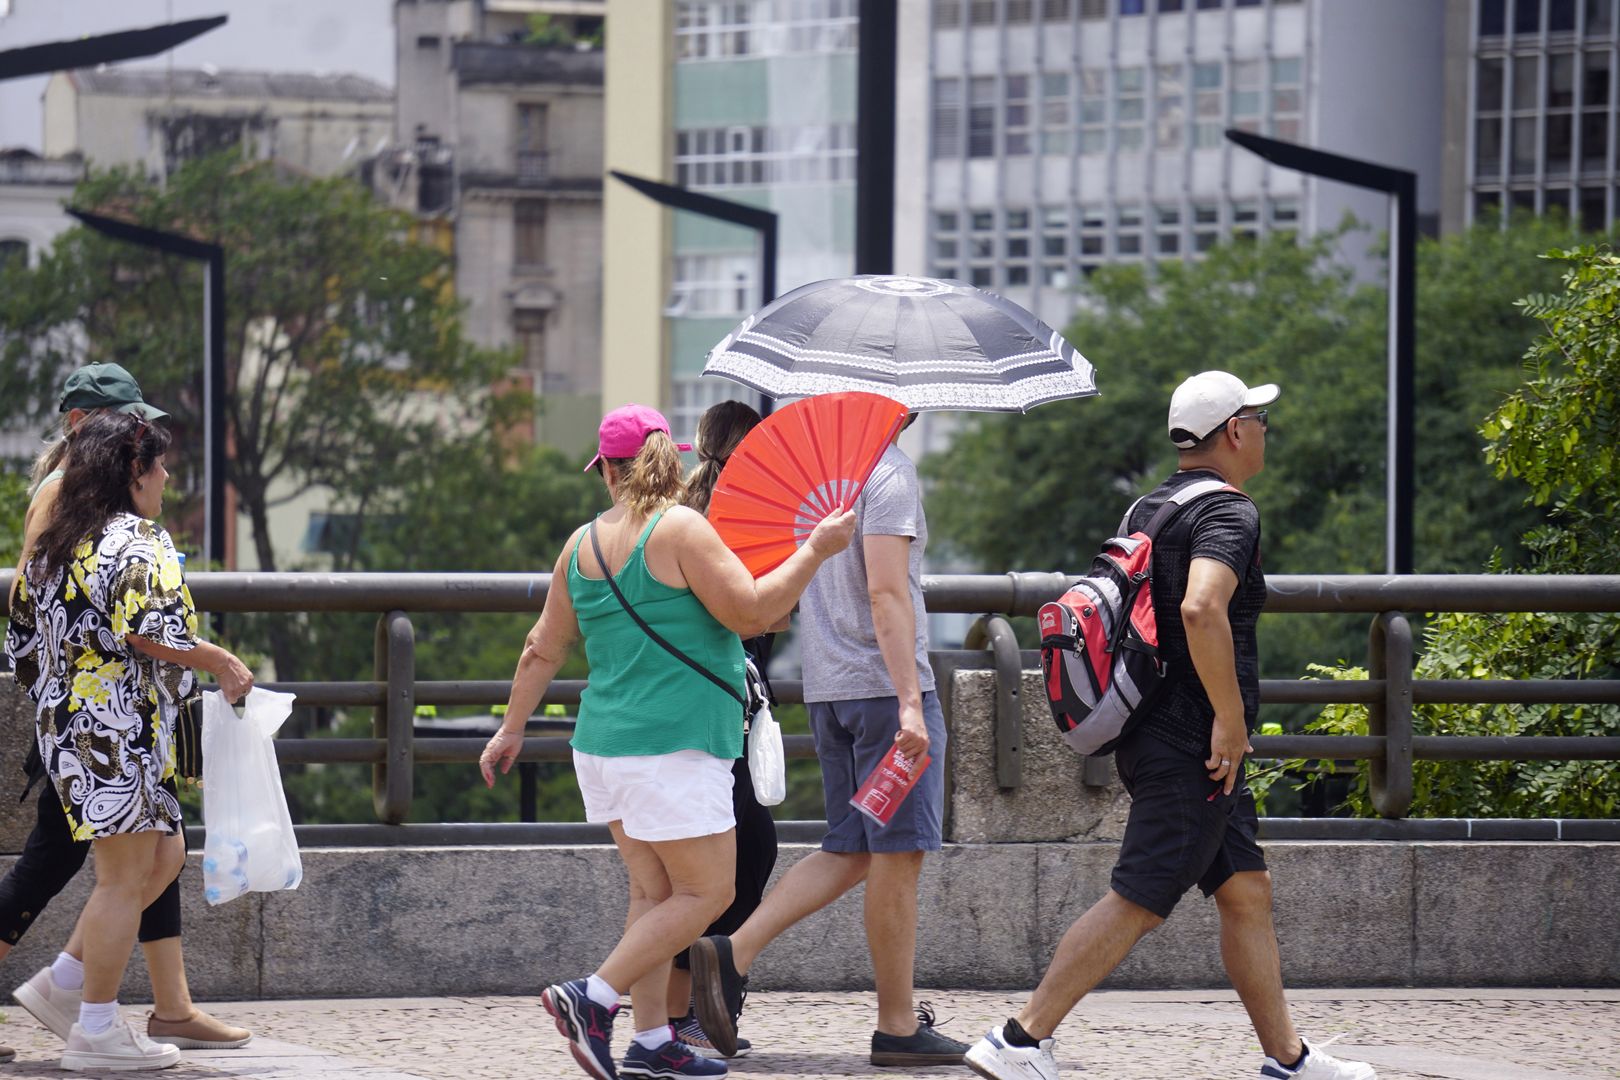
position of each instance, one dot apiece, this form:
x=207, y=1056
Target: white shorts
x=658, y=796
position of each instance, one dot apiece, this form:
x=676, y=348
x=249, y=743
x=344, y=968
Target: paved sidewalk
x=1407, y=1034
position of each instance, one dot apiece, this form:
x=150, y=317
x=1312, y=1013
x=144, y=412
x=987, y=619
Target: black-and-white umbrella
x=925, y=342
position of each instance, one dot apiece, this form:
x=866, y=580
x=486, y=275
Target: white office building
x=1040, y=139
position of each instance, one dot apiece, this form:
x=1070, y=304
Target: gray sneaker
x=925, y=1046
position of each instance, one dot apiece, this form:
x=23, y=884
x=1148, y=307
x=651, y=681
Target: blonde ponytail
x=651, y=480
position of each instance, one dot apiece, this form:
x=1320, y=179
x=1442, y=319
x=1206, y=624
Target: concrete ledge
x=429, y=921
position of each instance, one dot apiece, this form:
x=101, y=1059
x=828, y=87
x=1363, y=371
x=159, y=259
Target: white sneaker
x=1318, y=1065
x=121, y=1048
x=56, y=1008
x=996, y=1059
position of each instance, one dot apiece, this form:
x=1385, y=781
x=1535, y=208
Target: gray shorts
x=852, y=737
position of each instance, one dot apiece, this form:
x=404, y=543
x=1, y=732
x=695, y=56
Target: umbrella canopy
x=925, y=342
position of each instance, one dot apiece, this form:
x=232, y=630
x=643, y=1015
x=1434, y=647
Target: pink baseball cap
x=624, y=430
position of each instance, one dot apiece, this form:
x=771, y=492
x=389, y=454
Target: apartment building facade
x=499, y=144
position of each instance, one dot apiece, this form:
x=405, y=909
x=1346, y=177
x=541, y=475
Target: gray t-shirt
x=837, y=641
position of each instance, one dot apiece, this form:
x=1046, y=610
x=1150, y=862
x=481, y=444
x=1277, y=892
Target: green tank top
x=641, y=700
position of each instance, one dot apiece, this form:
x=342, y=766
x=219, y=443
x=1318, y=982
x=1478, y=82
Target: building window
x=1595, y=114
x=1055, y=113
x=1246, y=92
x=981, y=245
x=1094, y=9
x=1599, y=18
x=1056, y=10
x=983, y=12
x=947, y=118
x=1167, y=230
x=1093, y=112
x=1019, y=12
x=1207, y=84
x=981, y=133
x=1132, y=7
x=1594, y=212
x=1527, y=17
x=1492, y=18
x=1286, y=96
x=947, y=13
x=1488, y=87
x=1128, y=231
x=1487, y=205
x=1245, y=220
x=529, y=334
x=1558, y=138
x=723, y=29
x=714, y=285
x=13, y=253
x=1093, y=237
x=530, y=148
x=947, y=245
x=1017, y=262
x=1016, y=115
x=1524, y=150
x=1167, y=7
x=1129, y=108
x=1206, y=226
x=693, y=395
x=529, y=232
x=1284, y=214
x=752, y=156
x=1170, y=106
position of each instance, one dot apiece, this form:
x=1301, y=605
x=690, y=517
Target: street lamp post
x=757, y=218
x=1401, y=184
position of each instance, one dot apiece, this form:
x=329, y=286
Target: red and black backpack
x=1100, y=640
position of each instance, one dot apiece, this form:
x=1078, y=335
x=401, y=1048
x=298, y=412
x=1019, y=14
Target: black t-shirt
x=1224, y=526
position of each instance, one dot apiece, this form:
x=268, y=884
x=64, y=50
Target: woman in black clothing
x=719, y=431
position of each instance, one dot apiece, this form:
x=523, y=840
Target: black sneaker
x=718, y=992
x=925, y=1046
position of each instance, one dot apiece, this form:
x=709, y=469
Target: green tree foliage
x=346, y=365
x=1275, y=310
x=1558, y=432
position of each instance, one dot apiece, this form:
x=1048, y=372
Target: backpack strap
x=596, y=546
x=1179, y=501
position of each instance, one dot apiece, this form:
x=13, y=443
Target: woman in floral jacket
x=103, y=638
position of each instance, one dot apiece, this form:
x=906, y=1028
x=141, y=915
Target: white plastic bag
x=767, y=763
x=250, y=845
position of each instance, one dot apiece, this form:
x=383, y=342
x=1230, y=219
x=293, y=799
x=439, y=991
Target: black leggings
x=48, y=862
x=756, y=855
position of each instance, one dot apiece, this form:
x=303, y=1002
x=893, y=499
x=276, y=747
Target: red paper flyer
x=883, y=792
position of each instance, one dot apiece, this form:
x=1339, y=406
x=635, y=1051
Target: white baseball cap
x=1209, y=399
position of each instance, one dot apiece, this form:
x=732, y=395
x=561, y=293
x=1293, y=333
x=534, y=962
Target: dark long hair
x=719, y=431
x=104, y=456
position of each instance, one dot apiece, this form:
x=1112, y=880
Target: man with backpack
x=1193, y=819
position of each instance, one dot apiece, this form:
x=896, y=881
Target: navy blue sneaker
x=673, y=1059
x=587, y=1026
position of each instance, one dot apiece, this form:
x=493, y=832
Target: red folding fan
x=798, y=466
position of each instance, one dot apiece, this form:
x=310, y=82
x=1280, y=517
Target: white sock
x=597, y=989
x=654, y=1038
x=96, y=1018
x=68, y=973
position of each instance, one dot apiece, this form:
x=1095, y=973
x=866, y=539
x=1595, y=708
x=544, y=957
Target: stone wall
x=464, y=920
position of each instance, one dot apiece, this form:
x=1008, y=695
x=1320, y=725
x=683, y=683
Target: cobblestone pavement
x=1407, y=1034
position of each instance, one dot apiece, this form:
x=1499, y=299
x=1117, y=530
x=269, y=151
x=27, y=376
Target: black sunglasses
x=1260, y=416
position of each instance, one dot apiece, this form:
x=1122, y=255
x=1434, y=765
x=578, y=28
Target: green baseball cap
x=107, y=386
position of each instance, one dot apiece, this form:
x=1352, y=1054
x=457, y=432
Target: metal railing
x=1390, y=692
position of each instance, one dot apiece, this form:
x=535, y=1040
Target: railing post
x=1390, y=658
x=998, y=633
x=394, y=719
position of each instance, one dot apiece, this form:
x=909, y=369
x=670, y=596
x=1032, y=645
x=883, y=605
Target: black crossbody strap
x=596, y=547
